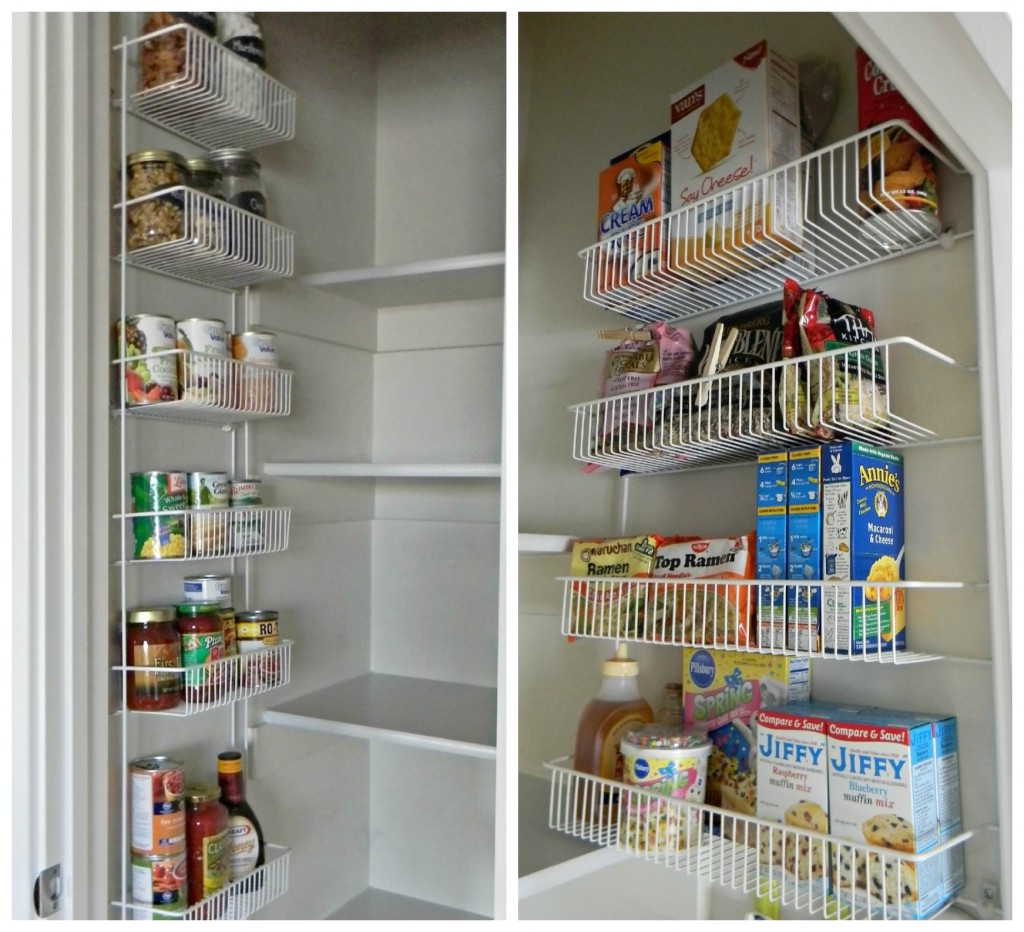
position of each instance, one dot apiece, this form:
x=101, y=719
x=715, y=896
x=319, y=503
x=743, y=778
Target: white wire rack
x=224, y=681
x=180, y=232
x=212, y=388
x=211, y=96
x=739, y=851
x=754, y=616
x=733, y=416
x=207, y=533
x=805, y=220
x=239, y=900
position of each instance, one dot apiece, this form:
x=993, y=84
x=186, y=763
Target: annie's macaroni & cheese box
x=734, y=124
x=722, y=689
x=770, y=544
x=803, y=550
x=862, y=504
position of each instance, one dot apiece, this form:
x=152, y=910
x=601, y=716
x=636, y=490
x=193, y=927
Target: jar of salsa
x=152, y=641
x=201, y=630
x=206, y=839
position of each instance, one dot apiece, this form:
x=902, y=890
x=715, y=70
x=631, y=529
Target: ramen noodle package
x=732, y=125
x=603, y=604
x=722, y=689
x=702, y=614
x=862, y=539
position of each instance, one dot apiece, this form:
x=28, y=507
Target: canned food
x=161, y=880
x=256, y=346
x=255, y=631
x=255, y=389
x=159, y=219
x=152, y=641
x=148, y=379
x=245, y=493
x=210, y=533
x=159, y=537
x=156, y=790
x=201, y=378
x=227, y=616
x=208, y=588
x=246, y=530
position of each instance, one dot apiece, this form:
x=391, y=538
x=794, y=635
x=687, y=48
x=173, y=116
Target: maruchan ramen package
x=862, y=493
x=602, y=603
x=730, y=126
x=722, y=689
x=633, y=190
x=703, y=614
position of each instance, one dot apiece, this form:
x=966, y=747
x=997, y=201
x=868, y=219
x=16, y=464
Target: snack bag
x=701, y=614
x=610, y=607
x=793, y=397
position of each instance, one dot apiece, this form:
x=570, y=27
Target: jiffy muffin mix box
x=882, y=793
x=862, y=492
x=722, y=689
x=730, y=126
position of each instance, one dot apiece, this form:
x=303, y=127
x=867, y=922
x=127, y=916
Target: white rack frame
x=239, y=676
x=248, y=390
x=722, y=846
x=694, y=614
x=239, y=900
x=209, y=533
x=641, y=275
x=731, y=417
x=217, y=245
x=219, y=100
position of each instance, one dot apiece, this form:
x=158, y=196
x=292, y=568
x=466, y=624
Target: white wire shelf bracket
x=185, y=234
x=817, y=216
x=205, y=533
x=795, y=618
x=732, y=849
x=224, y=681
x=731, y=417
x=239, y=900
x=211, y=388
x=212, y=96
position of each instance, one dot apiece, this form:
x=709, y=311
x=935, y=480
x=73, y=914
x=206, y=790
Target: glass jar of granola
x=157, y=219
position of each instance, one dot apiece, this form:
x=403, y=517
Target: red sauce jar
x=201, y=630
x=153, y=641
x=206, y=839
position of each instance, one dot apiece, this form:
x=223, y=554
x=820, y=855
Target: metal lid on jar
x=145, y=616
x=156, y=155
x=256, y=615
x=198, y=608
x=222, y=156
x=202, y=165
x=202, y=793
x=667, y=738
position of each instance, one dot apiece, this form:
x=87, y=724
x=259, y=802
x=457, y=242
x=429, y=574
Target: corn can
x=157, y=536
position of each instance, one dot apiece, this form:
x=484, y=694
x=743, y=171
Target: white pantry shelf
x=434, y=281
x=430, y=714
x=386, y=470
x=545, y=543
x=380, y=904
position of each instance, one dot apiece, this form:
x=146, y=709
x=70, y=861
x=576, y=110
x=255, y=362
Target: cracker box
x=862, y=504
x=733, y=125
x=803, y=549
x=722, y=689
x=792, y=789
x=770, y=546
x=882, y=795
x=633, y=190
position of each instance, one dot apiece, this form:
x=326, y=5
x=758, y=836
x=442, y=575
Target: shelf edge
x=404, y=270
x=386, y=470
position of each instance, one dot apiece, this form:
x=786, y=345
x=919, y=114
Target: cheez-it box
x=733, y=125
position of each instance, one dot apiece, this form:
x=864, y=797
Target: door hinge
x=47, y=891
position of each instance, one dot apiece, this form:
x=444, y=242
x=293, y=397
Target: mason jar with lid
x=152, y=640
x=204, y=175
x=243, y=186
x=157, y=219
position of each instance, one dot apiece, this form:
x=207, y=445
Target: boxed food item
x=882, y=793
x=734, y=124
x=702, y=614
x=722, y=689
x=897, y=185
x=771, y=545
x=631, y=191
x=602, y=604
x=862, y=505
x=803, y=550
x=947, y=785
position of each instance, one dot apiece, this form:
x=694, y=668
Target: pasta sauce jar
x=206, y=831
x=201, y=629
x=152, y=641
